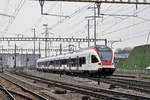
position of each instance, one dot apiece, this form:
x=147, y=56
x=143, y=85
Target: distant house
x=122, y=55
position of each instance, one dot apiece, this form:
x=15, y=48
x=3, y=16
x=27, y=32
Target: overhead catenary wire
x=133, y=25
x=71, y=16
x=122, y=20
x=20, y=5
x=129, y=26
x=134, y=37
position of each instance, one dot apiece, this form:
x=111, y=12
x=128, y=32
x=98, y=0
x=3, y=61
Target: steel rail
x=130, y=76
x=11, y=97
x=124, y=84
x=25, y=89
x=123, y=76
x=93, y=91
x=132, y=82
x=72, y=88
x=12, y=92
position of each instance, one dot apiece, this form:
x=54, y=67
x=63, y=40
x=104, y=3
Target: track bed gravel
x=50, y=90
x=82, y=81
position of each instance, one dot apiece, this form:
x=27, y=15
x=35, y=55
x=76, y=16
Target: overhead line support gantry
x=108, y=1
x=50, y=39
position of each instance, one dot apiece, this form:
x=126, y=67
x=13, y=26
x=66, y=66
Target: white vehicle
x=97, y=60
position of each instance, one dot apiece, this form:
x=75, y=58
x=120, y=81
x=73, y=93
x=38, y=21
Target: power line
x=72, y=15
x=127, y=26
x=20, y=5
x=7, y=15
x=148, y=37
x=116, y=16
x=148, y=20
x=124, y=20
x=133, y=37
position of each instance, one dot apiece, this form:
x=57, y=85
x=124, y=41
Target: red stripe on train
x=106, y=62
x=103, y=62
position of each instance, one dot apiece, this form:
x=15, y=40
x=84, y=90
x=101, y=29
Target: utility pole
x=48, y=52
x=15, y=57
x=34, y=47
x=79, y=45
x=41, y=4
x=60, y=48
x=106, y=42
x=2, y=59
x=46, y=35
x=94, y=26
x=148, y=37
x=21, y=56
x=27, y=59
x=96, y=6
x=88, y=32
x=39, y=50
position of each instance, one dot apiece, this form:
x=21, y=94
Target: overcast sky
x=132, y=30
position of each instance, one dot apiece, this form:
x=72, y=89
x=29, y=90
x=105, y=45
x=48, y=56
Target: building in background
x=22, y=60
x=123, y=55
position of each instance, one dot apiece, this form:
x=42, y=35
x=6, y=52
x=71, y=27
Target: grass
x=139, y=58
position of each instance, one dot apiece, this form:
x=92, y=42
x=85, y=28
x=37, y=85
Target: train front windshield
x=105, y=53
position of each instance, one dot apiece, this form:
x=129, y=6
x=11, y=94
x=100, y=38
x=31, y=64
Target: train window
x=94, y=59
x=42, y=63
x=47, y=63
x=55, y=63
x=39, y=65
x=51, y=62
x=64, y=62
x=82, y=60
x=74, y=62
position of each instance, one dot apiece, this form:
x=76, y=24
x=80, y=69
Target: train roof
x=67, y=55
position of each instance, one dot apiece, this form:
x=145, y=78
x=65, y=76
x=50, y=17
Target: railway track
x=126, y=83
x=124, y=76
x=132, y=82
x=7, y=95
x=91, y=91
x=12, y=95
x=18, y=92
x=129, y=76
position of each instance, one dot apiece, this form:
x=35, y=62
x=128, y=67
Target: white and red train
x=97, y=60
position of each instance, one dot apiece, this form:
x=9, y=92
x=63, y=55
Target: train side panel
x=87, y=61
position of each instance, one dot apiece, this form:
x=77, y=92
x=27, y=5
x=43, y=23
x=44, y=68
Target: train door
x=69, y=64
x=94, y=62
x=77, y=63
x=88, y=61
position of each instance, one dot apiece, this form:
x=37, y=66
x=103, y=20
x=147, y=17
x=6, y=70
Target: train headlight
x=99, y=64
